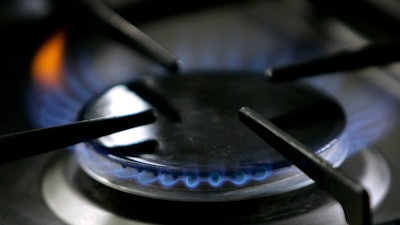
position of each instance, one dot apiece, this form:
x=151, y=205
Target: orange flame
x=47, y=64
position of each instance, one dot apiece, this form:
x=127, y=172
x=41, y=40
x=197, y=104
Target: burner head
x=198, y=149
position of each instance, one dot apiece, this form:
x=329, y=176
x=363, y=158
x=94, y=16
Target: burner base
x=68, y=191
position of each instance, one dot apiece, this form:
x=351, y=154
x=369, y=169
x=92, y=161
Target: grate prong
x=349, y=193
x=33, y=142
x=376, y=54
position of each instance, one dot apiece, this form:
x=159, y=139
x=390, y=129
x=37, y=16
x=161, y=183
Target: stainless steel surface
x=241, y=36
x=62, y=194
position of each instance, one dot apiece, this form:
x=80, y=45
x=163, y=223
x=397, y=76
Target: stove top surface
x=235, y=37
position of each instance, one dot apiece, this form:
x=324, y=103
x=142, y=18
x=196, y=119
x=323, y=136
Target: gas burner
x=69, y=191
x=198, y=150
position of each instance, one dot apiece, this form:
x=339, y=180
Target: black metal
x=199, y=96
x=88, y=17
x=129, y=34
x=144, y=147
x=375, y=54
x=29, y=143
x=350, y=194
x=156, y=99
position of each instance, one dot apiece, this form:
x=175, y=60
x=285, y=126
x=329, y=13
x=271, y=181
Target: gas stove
x=208, y=138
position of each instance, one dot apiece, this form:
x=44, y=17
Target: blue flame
x=146, y=177
x=191, y=181
x=215, y=179
x=126, y=173
x=370, y=112
x=261, y=173
x=168, y=180
x=239, y=178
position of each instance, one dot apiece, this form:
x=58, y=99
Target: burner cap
x=198, y=144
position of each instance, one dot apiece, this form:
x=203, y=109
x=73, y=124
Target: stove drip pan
x=198, y=150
